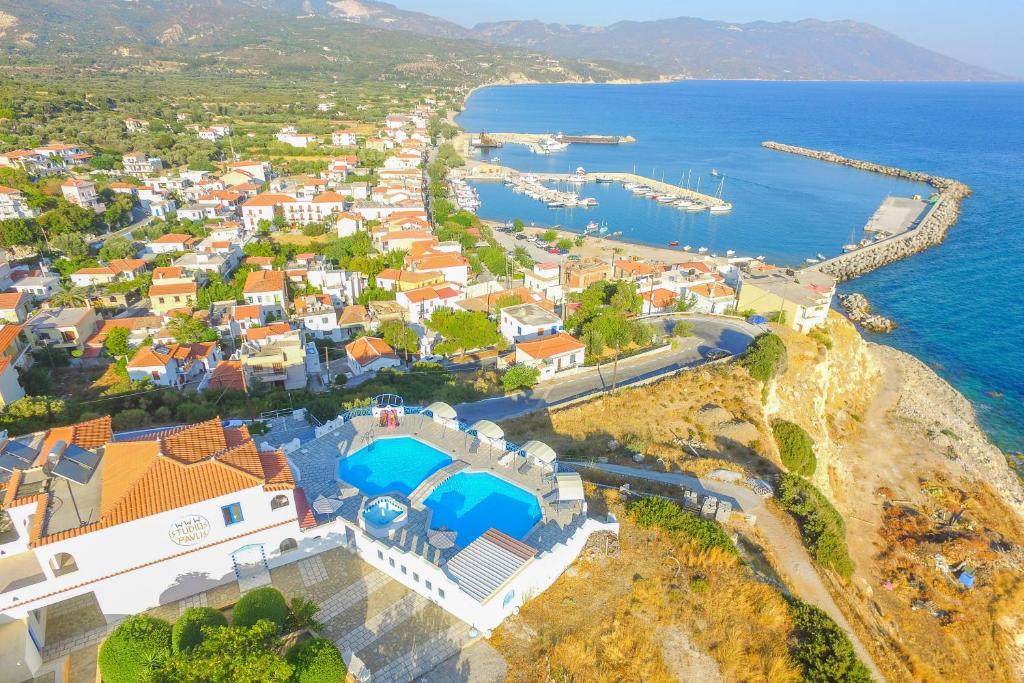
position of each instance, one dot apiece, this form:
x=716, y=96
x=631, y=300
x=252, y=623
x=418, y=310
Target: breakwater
x=930, y=231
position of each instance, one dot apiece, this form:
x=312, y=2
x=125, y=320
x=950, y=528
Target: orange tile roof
x=365, y=350
x=311, y=302
x=698, y=266
x=152, y=322
x=353, y=315
x=660, y=297
x=228, y=375
x=260, y=281
x=271, y=330
x=8, y=190
x=11, y=300
x=439, y=261
x=550, y=346
x=259, y=260
x=714, y=290
x=176, y=288
x=160, y=356
x=90, y=434
x=269, y=199
x=123, y=265
x=248, y=312
x=407, y=235
x=167, y=272
x=175, y=238
x=8, y=333
x=328, y=198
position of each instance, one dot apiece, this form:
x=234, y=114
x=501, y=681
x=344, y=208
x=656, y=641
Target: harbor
x=543, y=143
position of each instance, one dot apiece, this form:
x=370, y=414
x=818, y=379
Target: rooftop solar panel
x=72, y=471
x=81, y=456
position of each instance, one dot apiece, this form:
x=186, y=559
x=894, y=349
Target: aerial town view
x=346, y=341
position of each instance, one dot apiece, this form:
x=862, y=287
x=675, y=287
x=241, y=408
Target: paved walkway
x=794, y=561
x=425, y=657
x=381, y=623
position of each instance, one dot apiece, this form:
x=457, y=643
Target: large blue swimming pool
x=400, y=464
x=470, y=503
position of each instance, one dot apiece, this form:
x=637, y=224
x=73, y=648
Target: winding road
x=709, y=332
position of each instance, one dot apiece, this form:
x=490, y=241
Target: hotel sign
x=189, y=530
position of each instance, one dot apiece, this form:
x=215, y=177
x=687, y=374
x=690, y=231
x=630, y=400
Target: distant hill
x=272, y=39
x=696, y=48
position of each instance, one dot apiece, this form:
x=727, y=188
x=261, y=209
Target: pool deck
x=317, y=465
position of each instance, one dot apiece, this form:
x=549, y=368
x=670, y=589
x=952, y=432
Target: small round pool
x=384, y=515
x=470, y=503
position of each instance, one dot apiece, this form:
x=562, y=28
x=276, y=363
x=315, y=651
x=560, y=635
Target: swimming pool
x=470, y=503
x=399, y=464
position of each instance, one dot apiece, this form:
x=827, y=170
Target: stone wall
x=929, y=232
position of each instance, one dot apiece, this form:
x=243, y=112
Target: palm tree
x=70, y=296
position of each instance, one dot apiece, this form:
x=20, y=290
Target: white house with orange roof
x=348, y=223
x=268, y=289
x=14, y=346
x=528, y=321
x=453, y=266
x=318, y=316
x=713, y=297
x=395, y=280
x=13, y=204
x=402, y=239
x=175, y=365
x=115, y=270
x=28, y=160
x=370, y=354
x=244, y=317
x=421, y=303
x=289, y=136
x=15, y=306
x=167, y=297
x=83, y=193
x=141, y=165
x=137, y=522
x=552, y=354
x=171, y=242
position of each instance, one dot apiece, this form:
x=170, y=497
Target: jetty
x=929, y=231
x=487, y=171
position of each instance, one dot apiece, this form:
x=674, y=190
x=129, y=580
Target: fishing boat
x=591, y=227
x=673, y=243
x=603, y=230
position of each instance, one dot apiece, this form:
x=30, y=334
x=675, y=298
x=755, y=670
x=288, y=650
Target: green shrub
x=661, y=513
x=188, y=629
x=765, y=357
x=129, y=653
x=795, y=447
x=261, y=603
x=821, y=526
x=822, y=648
x=519, y=377
x=317, y=661
x=682, y=328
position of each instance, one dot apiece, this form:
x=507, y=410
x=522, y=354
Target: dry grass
x=605, y=619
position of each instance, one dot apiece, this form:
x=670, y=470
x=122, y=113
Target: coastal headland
x=930, y=231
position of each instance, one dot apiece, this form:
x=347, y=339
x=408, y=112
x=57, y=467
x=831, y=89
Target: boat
x=811, y=260
x=588, y=201
x=603, y=179
x=851, y=247
x=591, y=227
x=556, y=205
x=695, y=207
x=714, y=172
x=821, y=256
x=702, y=250
x=687, y=248
x=730, y=252
x=720, y=208
x=667, y=199
x=673, y=243
x=617, y=233
x=628, y=186
x=603, y=230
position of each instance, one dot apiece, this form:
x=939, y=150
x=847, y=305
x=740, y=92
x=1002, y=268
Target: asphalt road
x=710, y=332
x=793, y=559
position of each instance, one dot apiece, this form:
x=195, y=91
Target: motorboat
x=687, y=248
x=674, y=243
x=851, y=247
x=720, y=208
x=702, y=250
x=730, y=252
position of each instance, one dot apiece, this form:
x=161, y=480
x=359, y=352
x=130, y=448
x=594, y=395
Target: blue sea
x=959, y=305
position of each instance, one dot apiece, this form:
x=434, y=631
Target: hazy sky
x=984, y=32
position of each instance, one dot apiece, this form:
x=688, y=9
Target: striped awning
x=483, y=566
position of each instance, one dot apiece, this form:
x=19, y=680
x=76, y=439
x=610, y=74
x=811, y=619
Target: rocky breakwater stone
x=859, y=311
x=930, y=231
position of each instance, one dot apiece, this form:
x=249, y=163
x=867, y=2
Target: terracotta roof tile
x=550, y=346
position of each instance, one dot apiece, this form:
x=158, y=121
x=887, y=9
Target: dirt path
x=794, y=562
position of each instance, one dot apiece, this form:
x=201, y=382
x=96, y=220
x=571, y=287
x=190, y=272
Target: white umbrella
x=326, y=506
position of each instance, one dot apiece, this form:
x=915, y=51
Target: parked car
x=520, y=236
x=563, y=252
x=716, y=354
x=553, y=250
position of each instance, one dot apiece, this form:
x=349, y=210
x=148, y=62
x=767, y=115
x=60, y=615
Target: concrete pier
x=928, y=232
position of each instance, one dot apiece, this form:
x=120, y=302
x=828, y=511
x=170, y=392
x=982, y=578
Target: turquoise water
x=470, y=503
x=958, y=305
x=383, y=512
x=400, y=464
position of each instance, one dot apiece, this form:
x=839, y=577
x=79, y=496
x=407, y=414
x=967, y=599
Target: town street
x=710, y=332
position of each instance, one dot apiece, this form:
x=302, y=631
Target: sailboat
x=724, y=206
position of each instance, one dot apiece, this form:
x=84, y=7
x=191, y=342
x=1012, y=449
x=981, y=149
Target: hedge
x=822, y=648
x=129, y=652
x=821, y=526
x=188, y=629
x=261, y=603
x=317, y=661
x=661, y=513
x=795, y=447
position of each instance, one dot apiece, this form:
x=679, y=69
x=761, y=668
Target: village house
x=318, y=317
x=82, y=193
x=289, y=136
x=13, y=205
x=139, y=327
x=348, y=223
x=715, y=297
x=453, y=266
x=402, y=239
x=115, y=270
x=803, y=297
x=551, y=354
x=578, y=275
x=420, y=304
x=528, y=321
x=342, y=138
x=396, y=280
x=170, y=243
x=64, y=328
x=164, y=298
x=28, y=160
x=354, y=319
x=275, y=355
x=268, y=289
x=14, y=347
x=258, y=170
x=370, y=354
x=140, y=165
x=135, y=125
x=174, y=366
x=40, y=287
x=14, y=307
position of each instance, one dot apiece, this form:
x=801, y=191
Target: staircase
x=417, y=497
